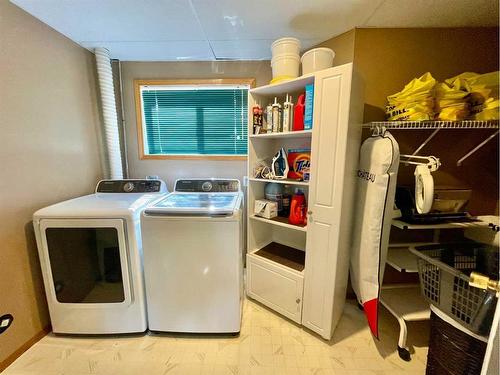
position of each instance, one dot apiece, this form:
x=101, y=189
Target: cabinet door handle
x=309, y=212
x=297, y=300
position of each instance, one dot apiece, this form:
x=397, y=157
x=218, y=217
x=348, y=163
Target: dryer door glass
x=85, y=264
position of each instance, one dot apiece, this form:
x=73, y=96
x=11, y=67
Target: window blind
x=194, y=120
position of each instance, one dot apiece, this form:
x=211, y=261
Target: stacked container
x=286, y=59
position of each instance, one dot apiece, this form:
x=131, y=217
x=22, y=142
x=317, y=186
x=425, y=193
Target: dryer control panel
x=130, y=186
x=207, y=186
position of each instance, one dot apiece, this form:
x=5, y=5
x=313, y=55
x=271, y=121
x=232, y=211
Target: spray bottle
x=287, y=114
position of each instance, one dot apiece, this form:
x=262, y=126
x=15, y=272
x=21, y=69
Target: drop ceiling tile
x=432, y=13
x=242, y=49
x=259, y=49
x=156, y=51
x=264, y=19
x=117, y=20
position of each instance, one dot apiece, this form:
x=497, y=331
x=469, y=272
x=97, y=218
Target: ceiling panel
x=265, y=19
x=435, y=13
x=156, y=51
x=117, y=20
x=244, y=49
x=238, y=29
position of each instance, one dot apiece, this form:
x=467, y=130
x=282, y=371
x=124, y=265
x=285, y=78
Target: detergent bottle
x=298, y=209
x=298, y=115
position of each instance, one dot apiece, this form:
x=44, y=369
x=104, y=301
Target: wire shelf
x=466, y=124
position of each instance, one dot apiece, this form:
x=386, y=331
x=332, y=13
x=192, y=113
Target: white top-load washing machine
x=90, y=254
x=193, y=257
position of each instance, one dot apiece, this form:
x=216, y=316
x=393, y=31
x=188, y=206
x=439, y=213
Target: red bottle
x=298, y=209
x=298, y=114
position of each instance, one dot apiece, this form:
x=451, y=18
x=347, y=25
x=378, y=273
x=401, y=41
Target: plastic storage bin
x=317, y=59
x=285, y=46
x=286, y=65
x=444, y=279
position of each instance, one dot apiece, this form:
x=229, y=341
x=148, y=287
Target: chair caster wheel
x=404, y=354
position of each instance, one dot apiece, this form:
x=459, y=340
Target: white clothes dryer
x=90, y=252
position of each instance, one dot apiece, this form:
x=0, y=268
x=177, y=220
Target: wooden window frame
x=165, y=82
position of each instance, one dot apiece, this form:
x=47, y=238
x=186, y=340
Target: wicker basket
x=444, y=270
x=453, y=352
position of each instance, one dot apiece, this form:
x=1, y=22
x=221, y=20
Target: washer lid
x=195, y=204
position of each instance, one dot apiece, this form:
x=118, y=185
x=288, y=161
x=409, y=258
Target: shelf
x=401, y=259
x=284, y=255
x=292, y=134
x=285, y=182
x=416, y=125
x=405, y=302
x=279, y=221
x=285, y=87
x=459, y=225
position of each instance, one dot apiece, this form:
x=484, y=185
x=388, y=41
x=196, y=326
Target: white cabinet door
x=326, y=266
x=275, y=286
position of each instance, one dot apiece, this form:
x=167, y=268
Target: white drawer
x=275, y=285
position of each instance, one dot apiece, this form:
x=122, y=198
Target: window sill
x=194, y=157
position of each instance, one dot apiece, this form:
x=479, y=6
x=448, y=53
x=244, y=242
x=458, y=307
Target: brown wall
x=49, y=151
x=169, y=170
x=343, y=45
x=387, y=59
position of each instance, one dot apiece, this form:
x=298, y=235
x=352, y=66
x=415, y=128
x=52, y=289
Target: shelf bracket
x=433, y=134
x=471, y=152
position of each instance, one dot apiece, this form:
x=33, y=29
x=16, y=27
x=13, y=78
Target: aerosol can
x=276, y=116
x=287, y=114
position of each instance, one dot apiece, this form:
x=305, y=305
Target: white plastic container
x=285, y=46
x=286, y=66
x=317, y=59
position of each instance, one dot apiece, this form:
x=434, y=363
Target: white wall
x=170, y=170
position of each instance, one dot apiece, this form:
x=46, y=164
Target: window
x=192, y=119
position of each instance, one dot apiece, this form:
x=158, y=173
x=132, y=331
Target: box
x=299, y=163
x=308, y=111
x=265, y=208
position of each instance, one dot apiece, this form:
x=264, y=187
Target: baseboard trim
x=28, y=344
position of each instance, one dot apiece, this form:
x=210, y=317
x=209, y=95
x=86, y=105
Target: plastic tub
x=285, y=65
x=317, y=59
x=285, y=46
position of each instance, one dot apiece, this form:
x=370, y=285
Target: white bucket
x=317, y=59
x=286, y=65
x=285, y=46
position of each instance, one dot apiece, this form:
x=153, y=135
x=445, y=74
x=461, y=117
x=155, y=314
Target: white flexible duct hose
x=105, y=75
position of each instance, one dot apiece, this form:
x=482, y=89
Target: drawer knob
x=297, y=300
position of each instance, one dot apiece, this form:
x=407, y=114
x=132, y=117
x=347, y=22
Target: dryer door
x=85, y=261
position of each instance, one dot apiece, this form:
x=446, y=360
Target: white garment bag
x=376, y=187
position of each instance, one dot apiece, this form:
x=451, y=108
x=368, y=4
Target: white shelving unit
x=422, y=125
x=458, y=225
x=301, y=272
x=437, y=126
x=405, y=302
x=281, y=222
x=296, y=134
x=284, y=182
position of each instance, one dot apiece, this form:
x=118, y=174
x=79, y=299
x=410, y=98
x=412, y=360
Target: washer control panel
x=130, y=186
x=207, y=186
